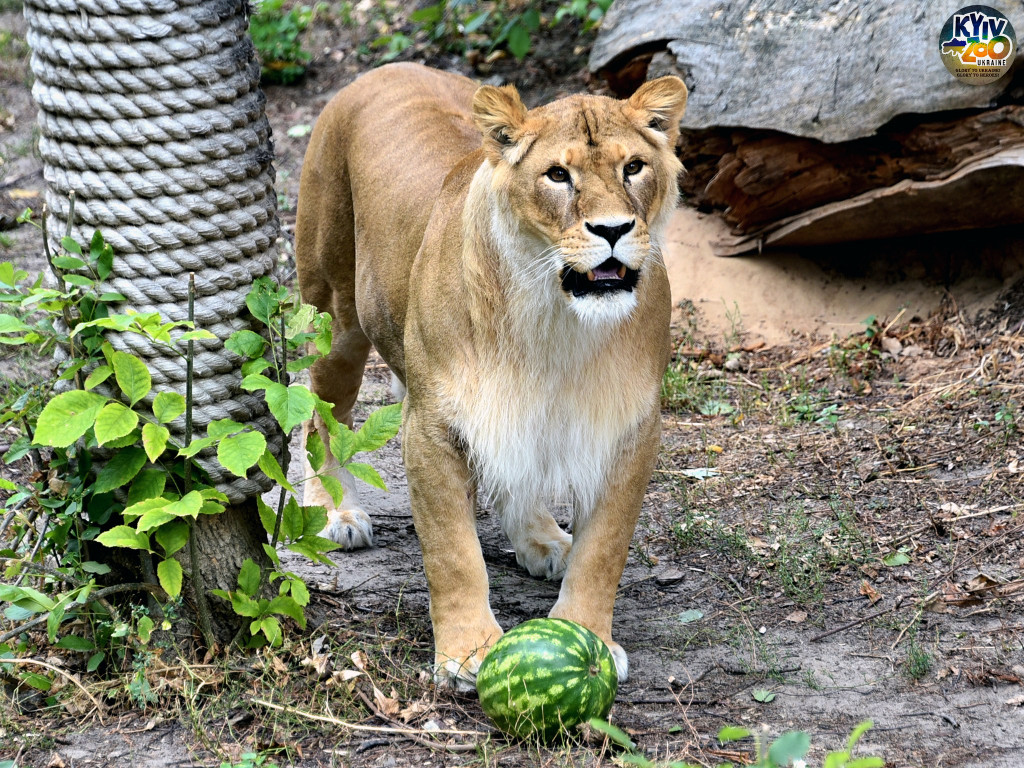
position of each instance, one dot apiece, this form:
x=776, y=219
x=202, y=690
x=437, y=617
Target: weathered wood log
x=758, y=177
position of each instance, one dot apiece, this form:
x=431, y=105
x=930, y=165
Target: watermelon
x=545, y=677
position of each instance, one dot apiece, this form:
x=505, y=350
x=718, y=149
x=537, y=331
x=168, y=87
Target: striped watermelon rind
x=545, y=677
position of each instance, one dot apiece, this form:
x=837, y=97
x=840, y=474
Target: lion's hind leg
x=541, y=546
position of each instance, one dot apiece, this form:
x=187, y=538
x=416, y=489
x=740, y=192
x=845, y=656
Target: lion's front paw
x=459, y=674
x=620, y=659
x=545, y=558
x=351, y=528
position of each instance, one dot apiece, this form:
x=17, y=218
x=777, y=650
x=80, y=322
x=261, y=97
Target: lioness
x=505, y=264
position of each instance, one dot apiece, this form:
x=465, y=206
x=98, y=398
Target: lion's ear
x=662, y=102
x=499, y=114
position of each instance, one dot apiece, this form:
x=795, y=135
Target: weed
x=276, y=33
x=251, y=760
x=919, y=660
x=466, y=26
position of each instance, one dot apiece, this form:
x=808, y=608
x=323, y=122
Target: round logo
x=978, y=44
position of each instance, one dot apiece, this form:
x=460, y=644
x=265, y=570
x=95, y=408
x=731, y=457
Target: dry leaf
x=1016, y=701
x=279, y=666
x=388, y=705
x=359, y=660
x=872, y=594
x=797, y=617
x=414, y=710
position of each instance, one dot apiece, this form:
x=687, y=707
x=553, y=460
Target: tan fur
x=445, y=250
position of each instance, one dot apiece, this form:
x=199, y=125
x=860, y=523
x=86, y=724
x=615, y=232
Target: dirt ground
x=834, y=531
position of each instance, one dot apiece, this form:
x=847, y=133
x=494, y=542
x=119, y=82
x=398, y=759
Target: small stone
x=892, y=346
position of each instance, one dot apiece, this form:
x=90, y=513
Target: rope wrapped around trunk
x=151, y=113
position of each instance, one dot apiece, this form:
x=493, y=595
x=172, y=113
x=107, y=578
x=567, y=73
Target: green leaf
x=294, y=366
x=172, y=536
x=67, y=417
x=267, y=516
x=894, y=559
x=167, y=406
x=333, y=486
x=270, y=467
x=68, y=262
x=196, y=446
x=691, y=615
x=122, y=467
x=223, y=427
x=519, y=41
x=732, y=733
x=291, y=521
x=97, y=376
x=249, y=578
x=300, y=592
x=198, y=335
x=168, y=572
x=316, y=451
x=76, y=643
x=299, y=321
x=366, y=473
x=26, y=597
x=615, y=734
x=243, y=605
x=789, y=747
x=71, y=245
x=271, y=627
x=239, y=453
x=95, y=660
x=290, y=406
x=287, y=606
x=123, y=536
x=257, y=381
x=187, y=506
x=762, y=695
x=343, y=444
x=39, y=682
x=148, y=484
x=103, y=255
x=855, y=735
x=431, y=14
x=154, y=518
x=380, y=426
x=154, y=440
x=11, y=324
x=115, y=420
x=255, y=366
x=139, y=508
x=91, y=566
x=247, y=344
x=272, y=554
x=132, y=376
x=80, y=280
x=145, y=628
x=315, y=520
x=866, y=762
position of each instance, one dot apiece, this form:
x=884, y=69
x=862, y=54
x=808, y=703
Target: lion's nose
x=612, y=232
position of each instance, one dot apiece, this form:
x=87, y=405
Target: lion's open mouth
x=610, y=275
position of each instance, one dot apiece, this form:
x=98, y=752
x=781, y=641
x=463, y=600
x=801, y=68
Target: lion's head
x=588, y=182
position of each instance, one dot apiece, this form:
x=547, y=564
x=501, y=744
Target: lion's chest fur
x=549, y=421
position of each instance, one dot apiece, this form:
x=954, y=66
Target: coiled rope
x=150, y=112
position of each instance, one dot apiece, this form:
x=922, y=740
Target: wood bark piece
x=759, y=177
x=834, y=70
x=986, y=192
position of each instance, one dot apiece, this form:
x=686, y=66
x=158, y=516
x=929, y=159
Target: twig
x=858, y=622
x=62, y=673
x=359, y=726
x=416, y=739
x=909, y=624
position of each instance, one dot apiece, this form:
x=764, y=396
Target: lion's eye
x=633, y=167
x=557, y=174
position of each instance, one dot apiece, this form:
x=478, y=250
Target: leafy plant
x=788, y=749
x=277, y=33
x=466, y=25
x=150, y=491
